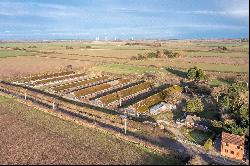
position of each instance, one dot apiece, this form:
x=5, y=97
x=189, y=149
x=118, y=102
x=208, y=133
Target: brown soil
x=24, y=65
x=32, y=137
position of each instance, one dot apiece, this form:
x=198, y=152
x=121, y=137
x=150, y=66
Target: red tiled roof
x=233, y=139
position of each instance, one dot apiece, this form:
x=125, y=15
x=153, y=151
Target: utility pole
x=125, y=125
x=124, y=118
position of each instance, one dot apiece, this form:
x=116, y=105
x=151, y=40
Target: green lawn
x=126, y=69
x=196, y=136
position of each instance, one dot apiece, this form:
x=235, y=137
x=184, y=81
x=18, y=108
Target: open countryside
x=135, y=98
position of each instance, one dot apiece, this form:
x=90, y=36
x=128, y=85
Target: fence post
x=25, y=94
x=53, y=104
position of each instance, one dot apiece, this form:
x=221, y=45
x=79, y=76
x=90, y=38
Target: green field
x=13, y=53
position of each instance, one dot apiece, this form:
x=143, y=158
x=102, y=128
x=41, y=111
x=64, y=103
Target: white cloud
x=234, y=13
x=208, y=26
x=38, y=9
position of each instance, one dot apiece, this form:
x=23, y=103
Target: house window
x=226, y=144
x=237, y=154
x=238, y=147
x=232, y=152
x=226, y=150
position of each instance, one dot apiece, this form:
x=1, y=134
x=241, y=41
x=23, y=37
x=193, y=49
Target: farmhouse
x=232, y=145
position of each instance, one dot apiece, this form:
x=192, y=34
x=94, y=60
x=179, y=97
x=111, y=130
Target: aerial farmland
x=103, y=82
x=124, y=82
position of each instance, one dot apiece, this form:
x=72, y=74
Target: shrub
x=195, y=73
x=69, y=47
x=194, y=105
x=141, y=57
x=191, y=74
x=208, y=144
x=133, y=58
x=152, y=55
x=16, y=48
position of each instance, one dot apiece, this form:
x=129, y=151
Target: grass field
x=45, y=139
x=13, y=53
x=115, y=56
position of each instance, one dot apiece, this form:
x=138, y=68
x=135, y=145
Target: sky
x=123, y=19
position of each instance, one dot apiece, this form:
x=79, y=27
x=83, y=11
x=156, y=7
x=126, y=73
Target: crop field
x=12, y=53
x=124, y=93
x=115, y=57
x=101, y=87
x=59, y=78
x=144, y=105
x=46, y=139
x=79, y=83
x=114, y=91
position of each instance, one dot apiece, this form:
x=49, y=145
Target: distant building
x=232, y=145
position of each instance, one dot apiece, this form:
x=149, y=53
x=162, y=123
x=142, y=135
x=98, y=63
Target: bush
x=69, y=47
x=191, y=74
x=194, y=105
x=16, y=48
x=171, y=54
x=196, y=74
x=152, y=55
x=208, y=144
x=133, y=58
x=88, y=46
x=141, y=57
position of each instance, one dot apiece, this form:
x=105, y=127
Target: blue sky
x=142, y=19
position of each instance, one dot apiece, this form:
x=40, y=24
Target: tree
x=196, y=74
x=194, y=105
x=217, y=126
x=234, y=102
x=208, y=144
x=191, y=74
x=200, y=75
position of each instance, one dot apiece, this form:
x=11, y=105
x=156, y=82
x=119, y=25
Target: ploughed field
x=29, y=136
